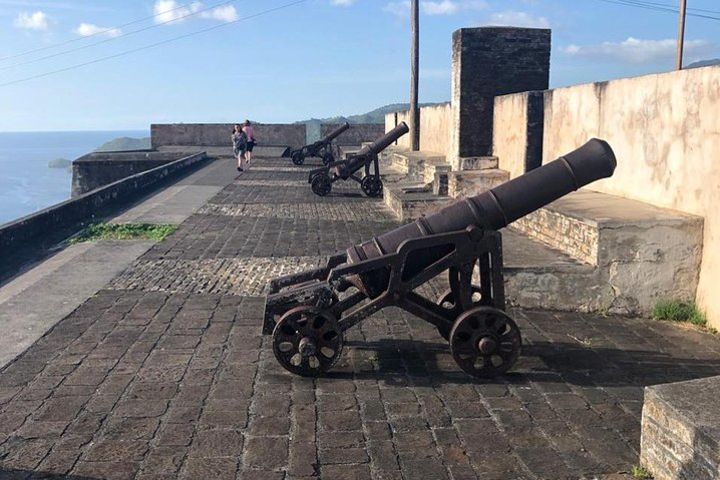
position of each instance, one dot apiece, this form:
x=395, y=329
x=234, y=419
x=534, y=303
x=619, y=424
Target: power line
x=688, y=8
x=123, y=35
x=656, y=7
x=153, y=45
x=102, y=32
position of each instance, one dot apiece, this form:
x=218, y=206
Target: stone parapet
x=681, y=430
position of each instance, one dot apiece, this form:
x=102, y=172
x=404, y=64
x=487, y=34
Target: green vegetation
x=374, y=116
x=124, y=231
x=640, y=473
x=125, y=143
x=677, y=311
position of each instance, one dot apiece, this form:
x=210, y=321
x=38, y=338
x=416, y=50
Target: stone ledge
x=681, y=430
x=467, y=183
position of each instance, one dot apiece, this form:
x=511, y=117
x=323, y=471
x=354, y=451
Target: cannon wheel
x=447, y=300
x=321, y=184
x=307, y=341
x=372, y=186
x=328, y=158
x=298, y=158
x=485, y=342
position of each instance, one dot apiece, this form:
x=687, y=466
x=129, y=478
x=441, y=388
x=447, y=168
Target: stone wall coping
x=603, y=210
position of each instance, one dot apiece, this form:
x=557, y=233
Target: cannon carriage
x=322, y=179
x=323, y=148
x=307, y=313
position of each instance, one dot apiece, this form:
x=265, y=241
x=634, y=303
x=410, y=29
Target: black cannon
x=322, y=148
x=321, y=179
x=307, y=313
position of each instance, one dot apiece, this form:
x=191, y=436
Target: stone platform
x=164, y=373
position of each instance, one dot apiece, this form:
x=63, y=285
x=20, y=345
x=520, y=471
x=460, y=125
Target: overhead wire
x=95, y=34
x=152, y=45
x=117, y=37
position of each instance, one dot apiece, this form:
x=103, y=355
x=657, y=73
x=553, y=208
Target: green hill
x=125, y=143
x=374, y=116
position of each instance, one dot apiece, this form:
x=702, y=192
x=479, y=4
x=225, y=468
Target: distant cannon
x=321, y=179
x=308, y=313
x=322, y=148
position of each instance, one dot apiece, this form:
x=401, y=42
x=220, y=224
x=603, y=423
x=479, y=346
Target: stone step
x=413, y=163
x=409, y=204
x=472, y=182
x=641, y=253
x=478, y=163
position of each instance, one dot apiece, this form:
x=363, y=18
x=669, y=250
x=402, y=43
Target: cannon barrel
x=358, y=160
x=336, y=133
x=383, y=142
x=493, y=209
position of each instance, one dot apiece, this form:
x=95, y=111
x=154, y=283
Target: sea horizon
x=28, y=184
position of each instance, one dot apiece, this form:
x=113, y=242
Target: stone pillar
x=487, y=62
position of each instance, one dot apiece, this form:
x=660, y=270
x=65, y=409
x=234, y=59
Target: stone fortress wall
x=665, y=131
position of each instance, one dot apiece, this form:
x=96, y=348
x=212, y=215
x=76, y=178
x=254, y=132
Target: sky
x=288, y=60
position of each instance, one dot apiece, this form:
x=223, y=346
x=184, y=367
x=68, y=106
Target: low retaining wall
x=98, y=169
x=86, y=208
x=435, y=125
x=217, y=134
x=358, y=133
x=680, y=430
x=518, y=132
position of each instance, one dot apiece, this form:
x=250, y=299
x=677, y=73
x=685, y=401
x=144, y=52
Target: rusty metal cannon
x=321, y=179
x=322, y=148
x=307, y=313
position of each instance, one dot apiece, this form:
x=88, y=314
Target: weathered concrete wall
x=215, y=134
x=518, y=132
x=434, y=128
x=95, y=170
x=85, y=209
x=665, y=130
x=488, y=62
x=358, y=133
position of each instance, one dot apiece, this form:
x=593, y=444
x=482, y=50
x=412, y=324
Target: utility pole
x=414, y=74
x=681, y=35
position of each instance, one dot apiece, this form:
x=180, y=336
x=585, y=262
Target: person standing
x=250, y=135
x=239, y=140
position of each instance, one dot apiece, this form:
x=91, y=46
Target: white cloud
x=32, y=21
x=442, y=7
x=637, y=51
x=225, y=13
x=170, y=11
x=342, y=3
x=451, y=7
x=399, y=9
x=88, y=29
x=518, y=19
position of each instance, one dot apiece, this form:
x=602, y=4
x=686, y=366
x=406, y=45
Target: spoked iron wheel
x=485, y=342
x=298, y=158
x=321, y=184
x=372, y=186
x=447, y=300
x=328, y=158
x=307, y=342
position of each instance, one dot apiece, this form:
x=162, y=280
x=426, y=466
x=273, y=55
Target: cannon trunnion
x=322, y=179
x=308, y=313
x=322, y=148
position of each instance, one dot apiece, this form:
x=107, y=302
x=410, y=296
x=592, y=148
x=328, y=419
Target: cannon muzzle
x=383, y=142
x=491, y=210
x=336, y=133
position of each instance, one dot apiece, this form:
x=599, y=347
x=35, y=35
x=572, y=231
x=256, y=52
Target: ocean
x=27, y=184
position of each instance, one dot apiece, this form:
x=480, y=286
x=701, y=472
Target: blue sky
x=315, y=59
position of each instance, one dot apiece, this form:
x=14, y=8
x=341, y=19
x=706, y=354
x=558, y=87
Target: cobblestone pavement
x=165, y=374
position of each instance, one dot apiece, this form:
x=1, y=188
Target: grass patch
x=640, y=473
x=676, y=311
x=124, y=231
